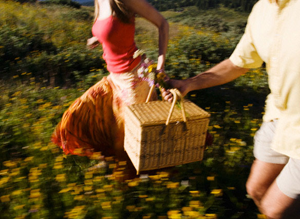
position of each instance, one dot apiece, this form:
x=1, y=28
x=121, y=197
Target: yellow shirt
x=272, y=36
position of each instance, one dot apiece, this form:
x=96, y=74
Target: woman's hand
x=92, y=43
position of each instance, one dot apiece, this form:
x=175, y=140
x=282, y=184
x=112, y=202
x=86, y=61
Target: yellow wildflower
x=17, y=192
x=133, y=184
x=28, y=159
x=65, y=190
x=5, y=198
x=211, y=216
x=217, y=192
x=130, y=207
x=58, y=165
x=35, y=193
x=187, y=209
x=195, y=204
x=18, y=207
x=9, y=164
x=210, y=178
x=61, y=177
x=78, y=197
x=4, y=172
x=173, y=185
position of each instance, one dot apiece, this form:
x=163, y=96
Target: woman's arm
x=222, y=73
x=92, y=43
x=144, y=9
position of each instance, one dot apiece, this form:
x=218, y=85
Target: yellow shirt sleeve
x=245, y=54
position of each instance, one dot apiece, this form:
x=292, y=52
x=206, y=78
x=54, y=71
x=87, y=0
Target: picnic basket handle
x=176, y=94
x=150, y=93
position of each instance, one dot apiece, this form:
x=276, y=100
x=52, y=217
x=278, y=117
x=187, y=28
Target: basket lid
x=156, y=112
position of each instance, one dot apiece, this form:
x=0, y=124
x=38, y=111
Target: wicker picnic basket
x=159, y=134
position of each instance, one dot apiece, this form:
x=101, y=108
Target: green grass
x=38, y=181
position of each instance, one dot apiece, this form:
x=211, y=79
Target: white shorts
x=288, y=180
x=262, y=144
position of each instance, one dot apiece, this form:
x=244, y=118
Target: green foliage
x=83, y=14
x=69, y=3
x=241, y=5
x=19, y=42
x=26, y=1
x=195, y=52
x=28, y=47
x=38, y=181
x=215, y=20
x=205, y=48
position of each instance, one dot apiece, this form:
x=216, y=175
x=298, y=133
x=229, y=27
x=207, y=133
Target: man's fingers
x=167, y=95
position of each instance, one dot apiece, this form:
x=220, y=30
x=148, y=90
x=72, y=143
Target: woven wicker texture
x=151, y=144
x=156, y=112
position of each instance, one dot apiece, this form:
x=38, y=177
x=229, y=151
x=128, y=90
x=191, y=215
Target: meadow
x=45, y=66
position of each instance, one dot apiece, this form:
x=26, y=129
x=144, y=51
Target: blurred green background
x=45, y=66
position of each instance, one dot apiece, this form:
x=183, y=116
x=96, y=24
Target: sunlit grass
x=38, y=181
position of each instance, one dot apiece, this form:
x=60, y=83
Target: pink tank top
x=117, y=39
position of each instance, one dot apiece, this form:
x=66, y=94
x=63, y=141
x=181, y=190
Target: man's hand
x=179, y=84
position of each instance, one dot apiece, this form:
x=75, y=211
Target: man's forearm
x=222, y=73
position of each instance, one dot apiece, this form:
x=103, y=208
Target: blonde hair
x=118, y=9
